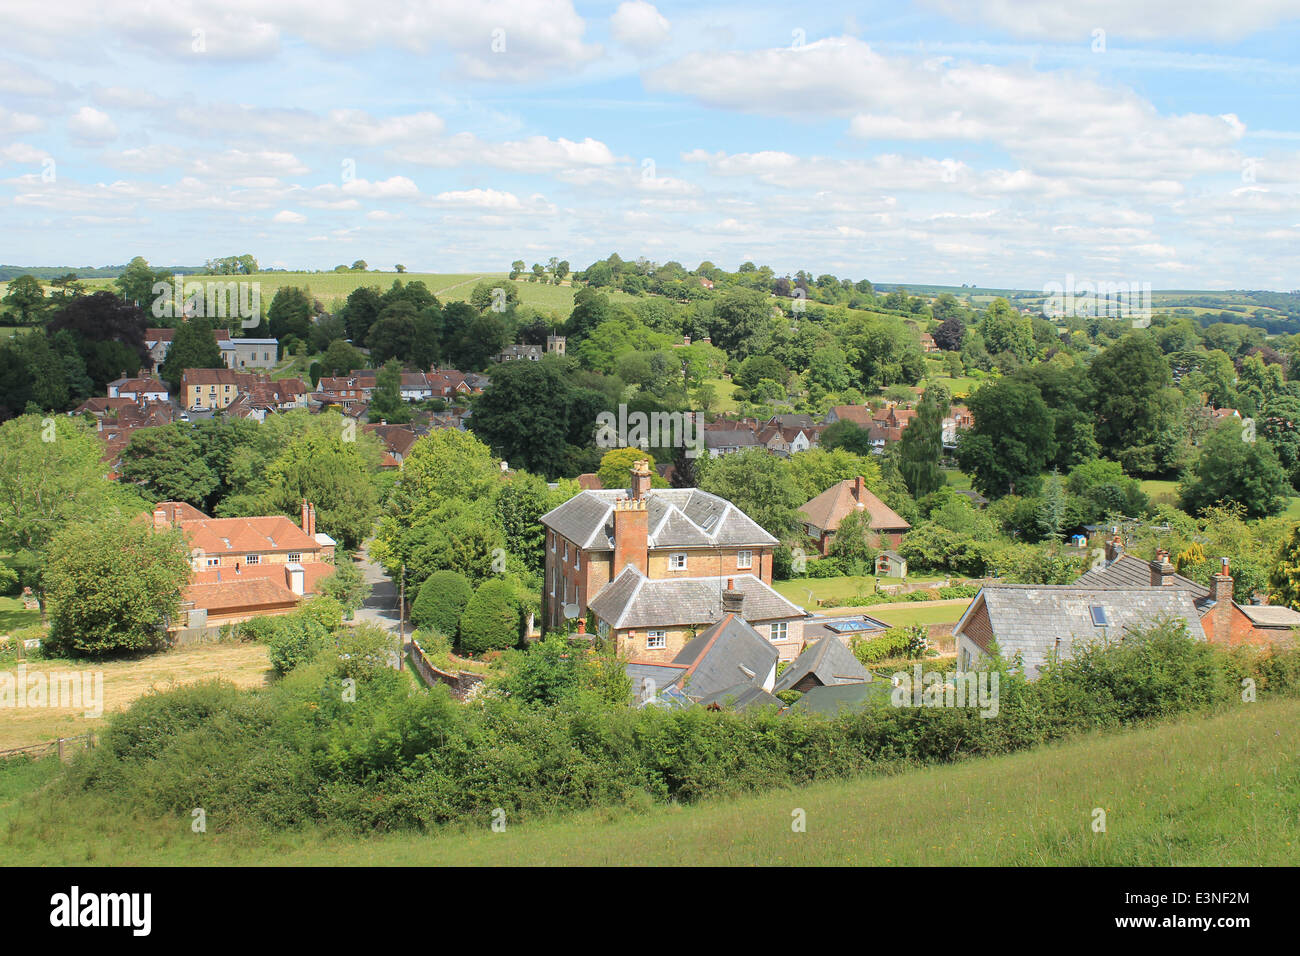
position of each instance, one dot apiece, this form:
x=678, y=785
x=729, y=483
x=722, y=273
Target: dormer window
x=677, y=561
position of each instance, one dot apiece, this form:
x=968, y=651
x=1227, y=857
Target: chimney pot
x=733, y=601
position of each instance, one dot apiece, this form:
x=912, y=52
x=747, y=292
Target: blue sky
x=997, y=142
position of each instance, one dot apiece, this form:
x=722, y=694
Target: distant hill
x=83, y=272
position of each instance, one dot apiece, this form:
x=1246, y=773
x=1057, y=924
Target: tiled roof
x=633, y=600
x=313, y=573
x=828, y=660
x=1030, y=619
x=828, y=509
x=1127, y=571
x=858, y=414
x=247, y=535
x=240, y=595
x=587, y=520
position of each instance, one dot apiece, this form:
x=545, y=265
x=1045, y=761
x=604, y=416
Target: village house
x=555, y=344
x=398, y=440
x=630, y=540
x=1224, y=621
x=823, y=514
x=1035, y=623
x=247, y=567
x=728, y=664
x=214, y=389
x=139, y=390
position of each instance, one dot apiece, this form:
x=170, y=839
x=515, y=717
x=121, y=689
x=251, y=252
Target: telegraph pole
x=401, y=622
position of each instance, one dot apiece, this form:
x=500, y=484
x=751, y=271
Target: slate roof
x=828, y=509
x=834, y=698
x=728, y=653
x=1127, y=571
x=1030, y=618
x=587, y=519
x=742, y=696
x=730, y=439
x=633, y=600
x=1271, y=615
x=829, y=661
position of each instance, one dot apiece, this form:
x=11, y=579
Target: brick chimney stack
x=858, y=487
x=1221, y=585
x=159, y=518
x=1162, y=572
x=732, y=600
x=1115, y=546
x=640, y=478
x=311, y=519
x=631, y=535
x=306, y=516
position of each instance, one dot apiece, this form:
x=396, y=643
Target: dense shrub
x=441, y=601
x=909, y=641
x=302, y=751
x=491, y=619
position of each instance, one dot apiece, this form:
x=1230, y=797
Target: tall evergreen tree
x=921, y=447
x=193, y=347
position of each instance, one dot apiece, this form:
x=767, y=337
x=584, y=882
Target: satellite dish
x=571, y=611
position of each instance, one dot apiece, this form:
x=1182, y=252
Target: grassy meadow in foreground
x=1205, y=791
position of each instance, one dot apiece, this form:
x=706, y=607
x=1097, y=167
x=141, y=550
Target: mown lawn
x=14, y=616
x=838, y=591
x=1204, y=791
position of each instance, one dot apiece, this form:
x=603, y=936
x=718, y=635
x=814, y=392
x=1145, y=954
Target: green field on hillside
x=332, y=288
x=1217, y=791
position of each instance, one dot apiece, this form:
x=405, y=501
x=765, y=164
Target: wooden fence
x=65, y=747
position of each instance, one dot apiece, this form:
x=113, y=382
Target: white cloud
x=639, y=26
x=532, y=37
x=288, y=216
x=12, y=123
x=481, y=198
x=89, y=126
x=1150, y=19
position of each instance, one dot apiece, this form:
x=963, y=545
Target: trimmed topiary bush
x=441, y=601
x=491, y=619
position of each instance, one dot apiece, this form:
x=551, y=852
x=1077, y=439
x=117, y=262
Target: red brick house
x=822, y=515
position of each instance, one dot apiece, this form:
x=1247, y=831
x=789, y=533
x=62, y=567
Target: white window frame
x=212, y=561
x=295, y=558
x=566, y=550
x=780, y=631
x=577, y=560
x=677, y=561
x=252, y=559
x=744, y=560
x=656, y=640
x=552, y=542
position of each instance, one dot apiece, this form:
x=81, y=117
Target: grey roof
x=739, y=438
x=1271, y=615
x=829, y=661
x=678, y=518
x=742, y=696
x=1127, y=571
x=660, y=676
x=633, y=600
x=728, y=653
x=832, y=699
x=1029, y=619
